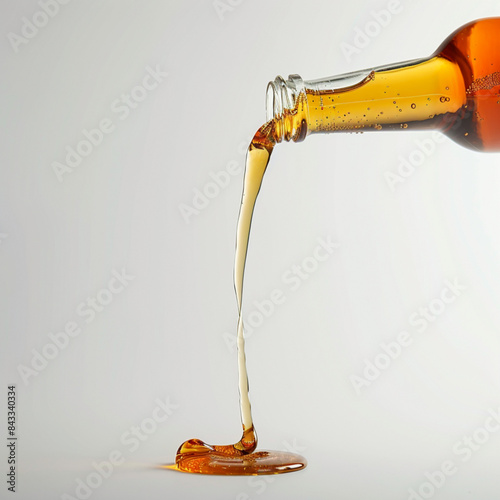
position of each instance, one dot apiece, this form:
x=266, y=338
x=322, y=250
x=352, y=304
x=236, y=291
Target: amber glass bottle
x=456, y=91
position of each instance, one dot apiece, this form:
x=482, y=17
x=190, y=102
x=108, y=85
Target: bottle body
x=456, y=90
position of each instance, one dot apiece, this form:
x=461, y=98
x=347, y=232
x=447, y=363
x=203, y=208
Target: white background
x=163, y=335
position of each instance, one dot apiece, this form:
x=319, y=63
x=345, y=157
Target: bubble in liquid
x=404, y=125
x=442, y=98
x=447, y=88
x=413, y=106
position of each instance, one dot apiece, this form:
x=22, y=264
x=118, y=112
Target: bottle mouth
x=282, y=94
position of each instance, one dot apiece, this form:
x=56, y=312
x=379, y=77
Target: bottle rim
x=282, y=94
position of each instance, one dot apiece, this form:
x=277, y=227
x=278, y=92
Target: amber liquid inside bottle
x=457, y=91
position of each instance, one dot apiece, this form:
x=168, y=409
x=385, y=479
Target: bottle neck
x=415, y=94
x=286, y=104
